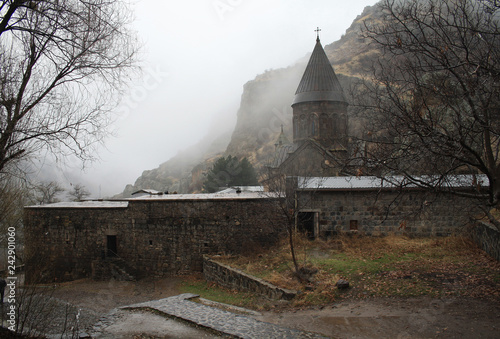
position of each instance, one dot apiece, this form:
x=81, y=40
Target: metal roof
x=319, y=82
x=390, y=182
x=241, y=189
x=147, y=191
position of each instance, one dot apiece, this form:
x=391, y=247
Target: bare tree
x=433, y=101
x=288, y=206
x=62, y=64
x=78, y=192
x=47, y=192
x=13, y=197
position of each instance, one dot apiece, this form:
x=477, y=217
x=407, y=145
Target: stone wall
x=487, y=238
x=154, y=237
x=170, y=235
x=324, y=121
x=383, y=212
x=233, y=278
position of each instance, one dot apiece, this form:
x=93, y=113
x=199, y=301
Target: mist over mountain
x=264, y=108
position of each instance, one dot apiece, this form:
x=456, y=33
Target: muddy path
x=370, y=318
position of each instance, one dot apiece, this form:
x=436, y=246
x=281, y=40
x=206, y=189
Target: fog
x=196, y=56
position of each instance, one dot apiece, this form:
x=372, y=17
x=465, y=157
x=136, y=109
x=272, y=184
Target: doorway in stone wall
x=111, y=246
x=306, y=223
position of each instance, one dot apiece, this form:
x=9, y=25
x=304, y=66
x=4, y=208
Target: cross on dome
x=317, y=30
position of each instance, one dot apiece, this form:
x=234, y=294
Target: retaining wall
x=487, y=238
x=233, y=278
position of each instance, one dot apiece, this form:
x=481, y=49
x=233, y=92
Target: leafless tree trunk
x=283, y=187
x=433, y=100
x=62, y=64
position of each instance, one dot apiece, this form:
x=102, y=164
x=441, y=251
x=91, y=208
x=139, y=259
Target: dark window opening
x=150, y=242
x=353, y=225
x=111, y=246
x=305, y=224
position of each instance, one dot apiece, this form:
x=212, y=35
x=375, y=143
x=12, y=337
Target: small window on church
x=150, y=242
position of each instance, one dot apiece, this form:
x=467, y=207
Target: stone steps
x=112, y=268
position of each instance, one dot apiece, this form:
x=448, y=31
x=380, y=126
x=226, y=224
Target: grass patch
x=197, y=285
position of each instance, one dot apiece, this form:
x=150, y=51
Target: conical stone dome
x=319, y=82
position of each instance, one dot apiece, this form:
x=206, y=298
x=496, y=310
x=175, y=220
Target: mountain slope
x=265, y=106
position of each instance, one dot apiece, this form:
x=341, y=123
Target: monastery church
x=157, y=234
x=320, y=138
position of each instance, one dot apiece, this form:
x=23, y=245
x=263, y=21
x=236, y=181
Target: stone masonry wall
x=381, y=213
x=487, y=238
x=154, y=237
x=235, y=279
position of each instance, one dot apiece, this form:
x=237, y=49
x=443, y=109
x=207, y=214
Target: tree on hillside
x=229, y=171
x=434, y=106
x=61, y=65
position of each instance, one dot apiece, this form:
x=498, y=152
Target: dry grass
x=382, y=267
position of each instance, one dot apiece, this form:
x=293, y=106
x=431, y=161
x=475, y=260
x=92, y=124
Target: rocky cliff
x=264, y=108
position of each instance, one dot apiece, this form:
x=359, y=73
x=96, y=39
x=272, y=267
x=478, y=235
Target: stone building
x=328, y=199
x=152, y=235
x=379, y=206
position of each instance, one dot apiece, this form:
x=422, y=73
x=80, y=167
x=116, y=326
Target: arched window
x=314, y=121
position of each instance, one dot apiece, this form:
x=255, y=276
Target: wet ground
x=371, y=318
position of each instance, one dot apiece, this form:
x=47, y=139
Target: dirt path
x=371, y=318
x=103, y=296
x=393, y=318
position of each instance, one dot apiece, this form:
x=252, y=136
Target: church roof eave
x=319, y=96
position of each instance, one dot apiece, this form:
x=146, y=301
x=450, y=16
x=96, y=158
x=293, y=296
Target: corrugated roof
x=372, y=182
x=319, y=82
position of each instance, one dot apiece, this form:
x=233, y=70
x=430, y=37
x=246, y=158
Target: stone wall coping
x=207, y=196
x=83, y=204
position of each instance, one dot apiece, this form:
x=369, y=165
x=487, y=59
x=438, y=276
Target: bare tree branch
x=62, y=66
x=433, y=98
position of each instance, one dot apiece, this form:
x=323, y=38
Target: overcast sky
x=196, y=57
